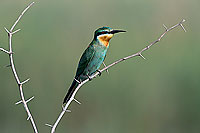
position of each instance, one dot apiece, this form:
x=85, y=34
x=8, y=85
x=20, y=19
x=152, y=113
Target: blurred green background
x=157, y=95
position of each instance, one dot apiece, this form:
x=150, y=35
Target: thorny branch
x=65, y=108
x=12, y=65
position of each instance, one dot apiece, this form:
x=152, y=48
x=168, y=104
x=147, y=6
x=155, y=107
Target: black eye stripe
x=103, y=32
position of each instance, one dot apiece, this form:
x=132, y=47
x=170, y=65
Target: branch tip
x=32, y=3
x=183, y=20
x=18, y=19
x=77, y=101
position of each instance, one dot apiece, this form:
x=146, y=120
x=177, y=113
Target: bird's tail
x=70, y=91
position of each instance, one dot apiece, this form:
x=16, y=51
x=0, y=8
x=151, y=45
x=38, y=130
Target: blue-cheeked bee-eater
x=92, y=57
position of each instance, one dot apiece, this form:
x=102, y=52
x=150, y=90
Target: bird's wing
x=85, y=59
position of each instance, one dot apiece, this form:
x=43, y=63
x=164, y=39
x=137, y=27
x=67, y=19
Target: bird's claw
x=89, y=79
x=99, y=72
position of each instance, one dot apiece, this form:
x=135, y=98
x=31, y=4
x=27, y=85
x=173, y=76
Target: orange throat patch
x=104, y=39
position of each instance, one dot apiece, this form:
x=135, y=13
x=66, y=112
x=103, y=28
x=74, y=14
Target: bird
x=92, y=58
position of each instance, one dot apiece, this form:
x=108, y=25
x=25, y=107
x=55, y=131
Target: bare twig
x=107, y=67
x=10, y=53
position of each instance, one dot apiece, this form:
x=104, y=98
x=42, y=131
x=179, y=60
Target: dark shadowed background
x=157, y=95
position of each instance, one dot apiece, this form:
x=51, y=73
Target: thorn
x=24, y=81
x=30, y=99
x=16, y=31
x=28, y=118
x=165, y=26
x=107, y=71
x=77, y=81
x=105, y=66
x=7, y=52
x=66, y=110
x=142, y=56
x=49, y=125
x=7, y=65
x=18, y=102
x=182, y=27
x=77, y=101
x=25, y=101
x=7, y=30
x=69, y=111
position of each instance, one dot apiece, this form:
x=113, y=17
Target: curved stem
x=12, y=65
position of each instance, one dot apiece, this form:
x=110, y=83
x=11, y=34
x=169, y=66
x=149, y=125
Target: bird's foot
x=99, y=72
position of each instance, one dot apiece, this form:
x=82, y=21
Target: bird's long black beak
x=117, y=31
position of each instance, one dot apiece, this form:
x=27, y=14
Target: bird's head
x=104, y=34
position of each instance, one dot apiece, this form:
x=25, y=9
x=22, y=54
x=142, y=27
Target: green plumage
x=91, y=59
